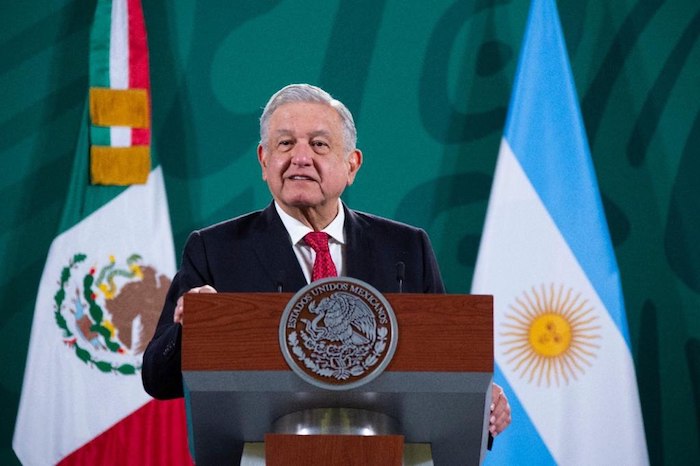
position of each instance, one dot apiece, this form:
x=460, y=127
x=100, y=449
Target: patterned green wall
x=429, y=83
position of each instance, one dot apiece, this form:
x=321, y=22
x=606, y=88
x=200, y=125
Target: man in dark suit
x=308, y=157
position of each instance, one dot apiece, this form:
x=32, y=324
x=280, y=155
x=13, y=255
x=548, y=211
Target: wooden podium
x=437, y=386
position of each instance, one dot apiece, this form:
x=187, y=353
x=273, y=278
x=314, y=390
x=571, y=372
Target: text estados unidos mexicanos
x=333, y=286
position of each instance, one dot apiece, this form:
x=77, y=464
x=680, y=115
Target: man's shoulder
x=367, y=220
x=234, y=226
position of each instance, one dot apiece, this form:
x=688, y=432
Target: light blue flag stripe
x=519, y=442
x=545, y=129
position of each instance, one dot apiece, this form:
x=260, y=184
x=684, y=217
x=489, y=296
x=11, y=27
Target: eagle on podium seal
x=338, y=333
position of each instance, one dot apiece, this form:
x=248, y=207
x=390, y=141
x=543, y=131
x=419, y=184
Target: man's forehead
x=305, y=118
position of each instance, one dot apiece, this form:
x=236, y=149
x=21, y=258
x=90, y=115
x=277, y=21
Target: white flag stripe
x=120, y=136
x=119, y=46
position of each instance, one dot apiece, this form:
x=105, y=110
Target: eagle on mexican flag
x=105, y=278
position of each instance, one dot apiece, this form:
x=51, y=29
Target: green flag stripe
x=99, y=61
x=99, y=44
x=100, y=136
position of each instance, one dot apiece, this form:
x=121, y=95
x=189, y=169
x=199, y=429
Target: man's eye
x=285, y=143
x=321, y=147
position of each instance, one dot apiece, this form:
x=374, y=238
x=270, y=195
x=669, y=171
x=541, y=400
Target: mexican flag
x=105, y=278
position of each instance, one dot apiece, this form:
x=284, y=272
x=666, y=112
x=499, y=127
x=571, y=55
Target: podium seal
x=338, y=333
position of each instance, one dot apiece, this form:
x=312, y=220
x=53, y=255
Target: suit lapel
x=274, y=250
x=358, y=249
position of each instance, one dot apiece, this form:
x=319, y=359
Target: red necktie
x=323, y=264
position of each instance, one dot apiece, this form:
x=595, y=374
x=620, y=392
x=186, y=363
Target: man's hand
x=500, y=411
x=179, y=315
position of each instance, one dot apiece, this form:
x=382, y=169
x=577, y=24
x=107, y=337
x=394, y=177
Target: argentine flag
x=562, y=347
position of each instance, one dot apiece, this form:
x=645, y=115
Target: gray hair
x=310, y=94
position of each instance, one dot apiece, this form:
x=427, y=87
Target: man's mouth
x=300, y=178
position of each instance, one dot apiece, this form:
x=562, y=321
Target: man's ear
x=354, y=162
x=262, y=159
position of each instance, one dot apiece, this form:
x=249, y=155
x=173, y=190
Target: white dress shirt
x=306, y=255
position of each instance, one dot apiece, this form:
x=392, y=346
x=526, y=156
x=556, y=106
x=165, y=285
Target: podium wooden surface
x=437, y=385
x=240, y=332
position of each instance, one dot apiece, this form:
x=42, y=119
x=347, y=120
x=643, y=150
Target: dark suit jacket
x=253, y=253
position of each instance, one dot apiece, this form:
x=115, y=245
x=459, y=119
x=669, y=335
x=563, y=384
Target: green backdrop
x=429, y=84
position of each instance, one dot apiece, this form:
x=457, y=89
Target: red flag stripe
x=138, y=64
x=154, y=435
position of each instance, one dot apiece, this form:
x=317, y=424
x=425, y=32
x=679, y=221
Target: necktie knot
x=318, y=240
x=323, y=264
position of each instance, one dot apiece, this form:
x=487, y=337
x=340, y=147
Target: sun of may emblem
x=550, y=336
x=107, y=312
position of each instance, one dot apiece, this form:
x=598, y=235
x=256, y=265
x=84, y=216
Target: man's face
x=304, y=163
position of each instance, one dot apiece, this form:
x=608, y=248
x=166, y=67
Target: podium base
x=414, y=454
x=333, y=450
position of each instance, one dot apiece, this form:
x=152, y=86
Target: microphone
x=279, y=280
x=400, y=274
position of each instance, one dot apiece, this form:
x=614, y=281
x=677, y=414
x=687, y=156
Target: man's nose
x=302, y=154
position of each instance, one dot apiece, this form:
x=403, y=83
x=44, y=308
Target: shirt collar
x=298, y=230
